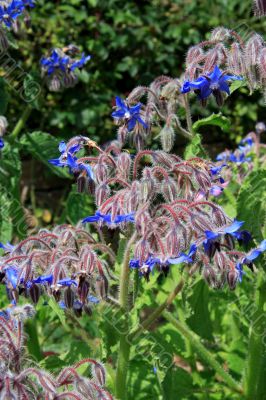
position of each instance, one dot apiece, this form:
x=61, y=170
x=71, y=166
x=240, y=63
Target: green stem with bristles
x=124, y=345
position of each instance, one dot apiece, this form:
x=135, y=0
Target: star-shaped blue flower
x=8, y=14
x=213, y=83
x=55, y=62
x=107, y=218
x=183, y=257
x=2, y=144
x=80, y=63
x=130, y=114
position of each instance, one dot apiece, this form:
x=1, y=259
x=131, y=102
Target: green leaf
x=251, y=203
x=195, y=149
x=3, y=97
x=12, y=219
x=199, y=301
x=43, y=147
x=177, y=384
x=237, y=85
x=78, y=206
x=214, y=119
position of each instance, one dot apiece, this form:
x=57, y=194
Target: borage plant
x=156, y=209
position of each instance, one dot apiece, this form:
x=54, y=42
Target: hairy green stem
x=255, y=382
x=156, y=313
x=21, y=122
x=124, y=346
x=203, y=352
x=188, y=115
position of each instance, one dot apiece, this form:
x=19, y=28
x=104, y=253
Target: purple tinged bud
x=253, y=48
x=262, y=64
x=99, y=374
x=170, y=190
x=260, y=8
x=229, y=241
x=235, y=59
x=69, y=297
x=83, y=289
x=101, y=172
x=194, y=54
x=142, y=250
x=212, y=59
x=35, y=292
x=123, y=163
x=82, y=183
x=122, y=134
x=210, y=276
x=102, y=192
x=232, y=278
x=101, y=286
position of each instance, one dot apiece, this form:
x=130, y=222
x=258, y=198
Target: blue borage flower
x=216, y=170
x=213, y=83
x=2, y=144
x=212, y=241
x=184, y=258
x=130, y=114
x=249, y=258
x=67, y=159
x=147, y=267
x=55, y=62
x=10, y=12
x=7, y=247
x=107, y=218
x=11, y=275
x=239, y=156
x=58, y=61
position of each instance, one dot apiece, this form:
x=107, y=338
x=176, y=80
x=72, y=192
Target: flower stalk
x=124, y=346
x=202, y=351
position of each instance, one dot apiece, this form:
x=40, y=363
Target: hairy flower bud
x=54, y=84
x=194, y=54
x=83, y=289
x=99, y=373
x=262, y=65
x=260, y=8
x=220, y=34
x=123, y=163
x=169, y=189
x=232, y=277
x=69, y=297
x=101, y=286
x=235, y=59
x=210, y=276
x=253, y=48
x=35, y=292
x=167, y=136
x=3, y=125
x=102, y=192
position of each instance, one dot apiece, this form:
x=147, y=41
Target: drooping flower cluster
x=165, y=198
x=240, y=162
x=240, y=54
x=60, y=66
x=19, y=380
x=10, y=10
x=61, y=263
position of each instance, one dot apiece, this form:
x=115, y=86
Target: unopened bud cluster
x=20, y=380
